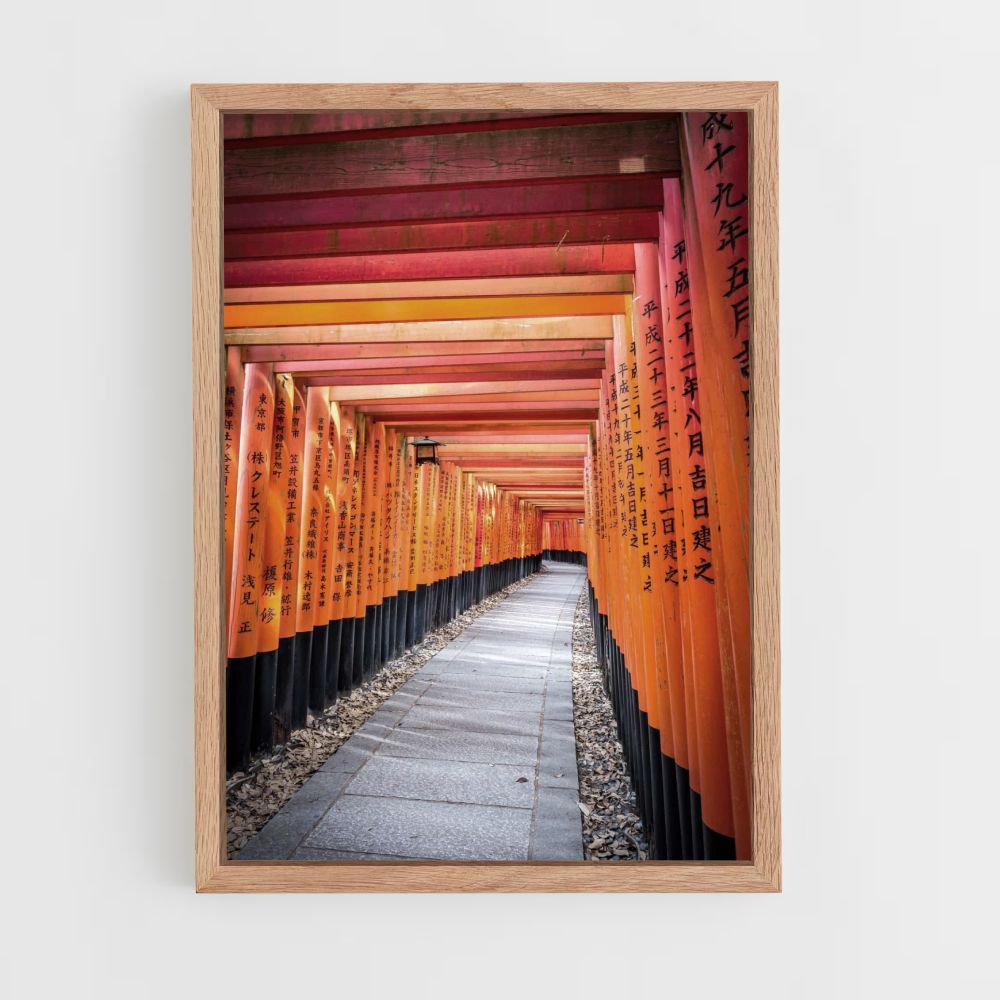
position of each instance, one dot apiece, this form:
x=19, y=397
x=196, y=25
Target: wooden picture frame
x=212, y=872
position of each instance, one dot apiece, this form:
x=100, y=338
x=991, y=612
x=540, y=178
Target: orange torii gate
x=572, y=328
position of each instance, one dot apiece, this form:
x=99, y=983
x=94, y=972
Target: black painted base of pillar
x=300, y=683
x=402, y=615
x=358, y=657
x=368, y=646
x=264, y=682
x=345, y=681
x=317, y=670
x=420, y=614
x=333, y=661
x=669, y=807
x=239, y=710
x=283, y=685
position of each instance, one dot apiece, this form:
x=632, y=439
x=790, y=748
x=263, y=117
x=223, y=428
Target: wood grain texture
x=212, y=872
x=208, y=358
x=764, y=514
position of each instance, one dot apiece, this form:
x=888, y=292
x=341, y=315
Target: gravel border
x=612, y=829
x=254, y=795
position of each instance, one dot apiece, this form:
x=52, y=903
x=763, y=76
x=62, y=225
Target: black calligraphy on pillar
x=685, y=416
x=724, y=155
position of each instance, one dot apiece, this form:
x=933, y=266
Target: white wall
x=890, y=235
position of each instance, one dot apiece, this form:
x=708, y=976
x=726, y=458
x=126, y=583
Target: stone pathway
x=472, y=759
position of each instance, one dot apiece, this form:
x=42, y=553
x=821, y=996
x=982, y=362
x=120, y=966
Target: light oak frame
x=213, y=873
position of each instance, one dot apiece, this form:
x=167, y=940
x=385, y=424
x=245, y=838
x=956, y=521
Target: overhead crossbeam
x=598, y=150
x=446, y=288
x=281, y=353
x=609, y=258
x=549, y=328
x=283, y=314
x=624, y=193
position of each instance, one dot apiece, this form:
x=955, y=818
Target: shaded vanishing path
x=473, y=758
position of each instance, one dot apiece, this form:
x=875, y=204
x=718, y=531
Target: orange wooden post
x=647, y=646
x=378, y=544
x=310, y=548
x=469, y=543
x=694, y=515
x=657, y=599
x=622, y=617
x=429, y=484
x=327, y=462
x=372, y=542
x=444, y=536
x=232, y=419
x=362, y=613
x=717, y=242
x=257, y=413
x=271, y=582
x=390, y=546
x=338, y=673
x=291, y=403
x=661, y=462
x=353, y=608
x=437, y=542
x=419, y=550
x=409, y=544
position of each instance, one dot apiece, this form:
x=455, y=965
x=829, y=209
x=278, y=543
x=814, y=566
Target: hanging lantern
x=426, y=449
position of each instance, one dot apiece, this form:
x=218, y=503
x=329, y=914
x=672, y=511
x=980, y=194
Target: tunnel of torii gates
x=561, y=300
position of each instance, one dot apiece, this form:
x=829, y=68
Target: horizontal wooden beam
x=514, y=459
x=492, y=202
x=553, y=436
x=475, y=365
x=411, y=365
x=608, y=149
x=464, y=374
x=247, y=131
x=424, y=390
x=555, y=476
x=612, y=258
x=400, y=349
x=523, y=460
x=533, y=397
x=270, y=125
x=449, y=288
x=286, y=314
x=550, y=329
x=473, y=234
x=539, y=424
x=506, y=448
x=421, y=412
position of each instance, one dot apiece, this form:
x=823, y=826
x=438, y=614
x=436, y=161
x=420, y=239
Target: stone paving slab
x=436, y=780
x=444, y=744
x=478, y=721
x=433, y=774
x=488, y=682
x=479, y=698
x=557, y=834
x=491, y=668
x=315, y=854
x=411, y=828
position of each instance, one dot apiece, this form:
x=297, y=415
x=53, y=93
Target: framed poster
x=486, y=487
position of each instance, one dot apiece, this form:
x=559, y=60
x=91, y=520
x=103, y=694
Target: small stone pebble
x=253, y=796
x=612, y=829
